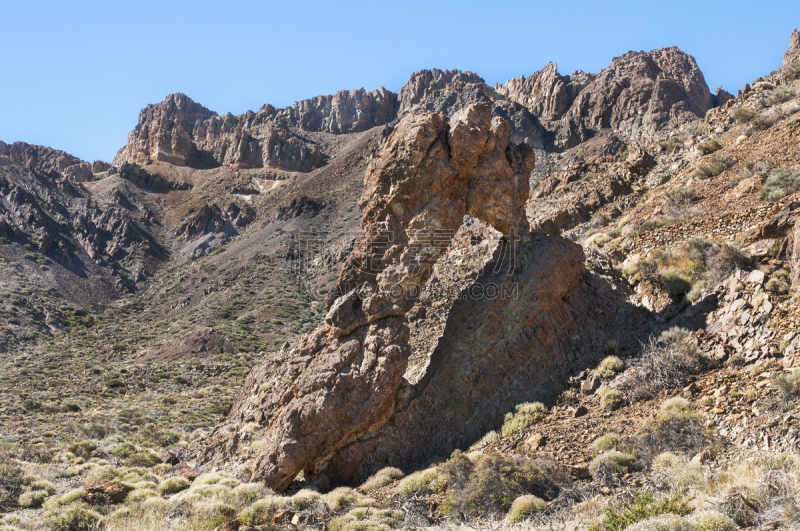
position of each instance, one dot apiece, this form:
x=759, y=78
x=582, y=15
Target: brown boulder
x=182, y=470
x=105, y=493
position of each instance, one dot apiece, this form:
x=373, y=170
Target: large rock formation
x=185, y=133
x=639, y=93
x=347, y=111
x=45, y=161
x=444, y=231
x=793, y=53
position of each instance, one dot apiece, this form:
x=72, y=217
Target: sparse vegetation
x=524, y=416
x=781, y=182
x=610, y=367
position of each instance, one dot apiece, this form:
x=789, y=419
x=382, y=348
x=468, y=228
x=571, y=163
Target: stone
x=534, y=442
x=105, y=493
x=349, y=403
x=169, y=458
x=756, y=277
x=590, y=385
x=182, y=470
x=579, y=472
x=579, y=411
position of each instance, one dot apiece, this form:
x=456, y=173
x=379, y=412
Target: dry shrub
x=792, y=71
x=725, y=260
x=714, y=167
x=678, y=428
x=489, y=483
x=781, y=182
x=609, y=367
x=664, y=363
x=381, y=478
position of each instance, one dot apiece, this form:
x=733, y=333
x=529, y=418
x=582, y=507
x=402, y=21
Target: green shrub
x=778, y=282
x=158, y=436
x=83, y=448
x=610, y=399
x=71, y=406
x=343, y=497
x=606, y=442
x=676, y=283
x=678, y=428
x=124, y=450
x=614, y=462
x=381, y=478
x=74, y=517
x=789, y=383
x=609, y=367
x=526, y=415
x=33, y=499
x=709, y=147
x=525, y=506
x=744, y=114
x=428, y=479
x=781, y=182
x=142, y=458
x=642, y=507
x=480, y=483
x=764, y=120
x=671, y=144
x=715, y=166
x=173, y=485
x=115, y=383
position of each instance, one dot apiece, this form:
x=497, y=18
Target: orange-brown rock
x=443, y=219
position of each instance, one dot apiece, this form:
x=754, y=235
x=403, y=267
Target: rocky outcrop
x=793, y=53
x=638, y=94
x=348, y=111
x=644, y=92
x=340, y=382
x=45, y=161
x=185, y=133
x=411, y=361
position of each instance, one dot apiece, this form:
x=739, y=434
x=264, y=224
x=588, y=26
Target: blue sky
x=75, y=74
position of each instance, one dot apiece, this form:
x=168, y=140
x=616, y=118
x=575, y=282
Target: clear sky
x=74, y=75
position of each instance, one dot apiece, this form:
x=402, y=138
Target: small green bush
x=115, y=383
x=715, y=166
x=478, y=484
x=606, y=442
x=642, y=507
x=781, y=182
x=83, y=448
x=792, y=71
x=709, y=521
x=381, y=478
x=33, y=499
x=610, y=399
x=74, y=517
x=789, y=383
x=173, y=485
x=428, y=479
x=676, y=283
x=71, y=406
x=124, y=450
x=743, y=115
x=708, y=147
x=142, y=458
x=525, y=506
x=778, y=282
x=614, y=462
x=609, y=367
x=525, y=415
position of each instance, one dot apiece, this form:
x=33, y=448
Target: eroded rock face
x=639, y=93
x=45, y=161
x=348, y=111
x=185, y=133
x=793, y=53
x=340, y=382
x=643, y=92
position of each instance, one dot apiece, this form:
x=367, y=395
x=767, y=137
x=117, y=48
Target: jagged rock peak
x=347, y=111
x=440, y=90
x=643, y=92
x=46, y=160
x=793, y=53
x=543, y=93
